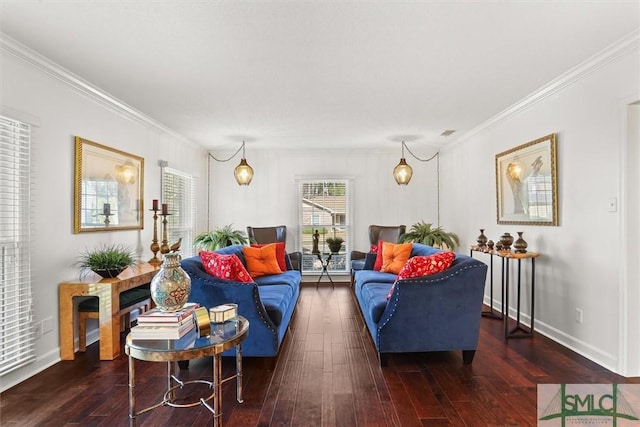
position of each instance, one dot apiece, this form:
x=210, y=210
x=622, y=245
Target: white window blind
x=16, y=314
x=324, y=210
x=178, y=192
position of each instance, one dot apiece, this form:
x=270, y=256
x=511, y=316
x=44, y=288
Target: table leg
x=505, y=303
x=108, y=306
x=65, y=317
x=217, y=390
x=239, y=374
x=132, y=393
x=533, y=282
x=170, y=374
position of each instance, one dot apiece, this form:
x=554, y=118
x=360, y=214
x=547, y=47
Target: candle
x=165, y=209
x=106, y=209
x=155, y=204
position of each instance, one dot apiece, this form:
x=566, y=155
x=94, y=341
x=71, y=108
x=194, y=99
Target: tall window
x=16, y=316
x=325, y=215
x=178, y=192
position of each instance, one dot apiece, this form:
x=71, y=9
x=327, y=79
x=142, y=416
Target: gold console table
x=108, y=292
x=518, y=331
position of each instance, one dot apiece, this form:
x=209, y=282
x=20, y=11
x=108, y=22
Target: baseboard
x=596, y=355
x=40, y=364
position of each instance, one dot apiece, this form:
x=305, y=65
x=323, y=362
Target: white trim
x=630, y=43
x=54, y=70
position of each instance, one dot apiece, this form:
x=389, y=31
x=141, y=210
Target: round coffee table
x=224, y=336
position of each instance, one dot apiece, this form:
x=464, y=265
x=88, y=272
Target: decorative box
x=223, y=313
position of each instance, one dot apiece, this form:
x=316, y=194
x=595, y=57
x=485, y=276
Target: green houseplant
x=334, y=243
x=107, y=260
x=220, y=238
x=422, y=232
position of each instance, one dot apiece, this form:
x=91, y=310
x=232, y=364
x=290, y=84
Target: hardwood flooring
x=327, y=374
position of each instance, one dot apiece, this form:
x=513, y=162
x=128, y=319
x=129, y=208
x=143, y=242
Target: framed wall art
x=108, y=188
x=527, y=183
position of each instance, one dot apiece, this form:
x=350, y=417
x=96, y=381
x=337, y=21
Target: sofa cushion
x=280, y=253
x=419, y=266
x=276, y=299
x=261, y=261
x=290, y=278
x=374, y=299
x=394, y=256
x=228, y=267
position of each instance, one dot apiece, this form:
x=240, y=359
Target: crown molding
x=44, y=64
x=626, y=45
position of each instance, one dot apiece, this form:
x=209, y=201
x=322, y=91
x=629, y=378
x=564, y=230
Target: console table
x=518, y=331
x=108, y=293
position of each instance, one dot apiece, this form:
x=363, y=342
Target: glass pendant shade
x=243, y=172
x=403, y=172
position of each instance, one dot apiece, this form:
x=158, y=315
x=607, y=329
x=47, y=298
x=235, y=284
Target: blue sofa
x=268, y=303
x=440, y=312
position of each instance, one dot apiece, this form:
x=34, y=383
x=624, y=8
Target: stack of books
x=156, y=324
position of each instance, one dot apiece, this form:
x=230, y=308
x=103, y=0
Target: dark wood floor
x=327, y=374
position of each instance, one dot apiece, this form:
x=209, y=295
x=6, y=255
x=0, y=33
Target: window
x=324, y=214
x=16, y=312
x=178, y=192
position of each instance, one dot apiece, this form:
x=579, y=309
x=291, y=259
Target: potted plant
x=107, y=260
x=334, y=243
x=220, y=238
x=422, y=232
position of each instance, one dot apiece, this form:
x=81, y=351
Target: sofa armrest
x=357, y=255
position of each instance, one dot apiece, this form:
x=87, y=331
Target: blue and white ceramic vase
x=171, y=286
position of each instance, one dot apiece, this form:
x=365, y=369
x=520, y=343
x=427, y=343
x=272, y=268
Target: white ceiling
x=296, y=74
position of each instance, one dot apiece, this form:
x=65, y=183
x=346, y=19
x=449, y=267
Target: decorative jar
x=482, y=239
x=506, y=239
x=171, y=286
x=520, y=245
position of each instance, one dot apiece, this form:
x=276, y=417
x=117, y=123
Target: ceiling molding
x=82, y=86
x=628, y=44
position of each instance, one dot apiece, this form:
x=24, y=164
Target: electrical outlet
x=47, y=325
x=579, y=317
x=613, y=204
x=37, y=329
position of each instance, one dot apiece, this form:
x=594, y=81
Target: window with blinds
x=325, y=216
x=178, y=192
x=17, y=338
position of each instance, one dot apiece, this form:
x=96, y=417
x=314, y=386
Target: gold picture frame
x=527, y=183
x=108, y=188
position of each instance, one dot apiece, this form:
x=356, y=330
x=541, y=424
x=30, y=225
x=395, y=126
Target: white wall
x=62, y=112
x=271, y=197
x=582, y=259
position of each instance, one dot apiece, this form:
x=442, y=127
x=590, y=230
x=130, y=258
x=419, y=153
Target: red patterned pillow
x=228, y=267
x=419, y=266
x=280, y=253
x=373, y=249
x=378, y=264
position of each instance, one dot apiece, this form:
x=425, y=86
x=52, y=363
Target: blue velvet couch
x=440, y=312
x=268, y=303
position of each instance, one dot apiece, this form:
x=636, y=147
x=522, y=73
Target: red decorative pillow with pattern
x=378, y=264
x=419, y=266
x=373, y=249
x=228, y=267
x=280, y=253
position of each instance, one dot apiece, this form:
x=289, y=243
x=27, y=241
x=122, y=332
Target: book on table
x=159, y=316
x=157, y=324
x=162, y=331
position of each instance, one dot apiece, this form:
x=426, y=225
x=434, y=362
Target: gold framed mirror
x=108, y=188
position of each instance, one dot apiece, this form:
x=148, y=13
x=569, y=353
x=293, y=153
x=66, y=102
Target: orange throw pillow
x=394, y=256
x=280, y=253
x=261, y=261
